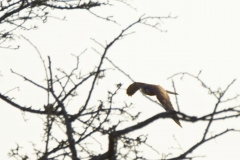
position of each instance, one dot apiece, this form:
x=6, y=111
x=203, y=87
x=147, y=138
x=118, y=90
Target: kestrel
x=159, y=92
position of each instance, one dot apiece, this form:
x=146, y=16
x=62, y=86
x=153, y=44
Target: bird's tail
x=176, y=119
x=172, y=112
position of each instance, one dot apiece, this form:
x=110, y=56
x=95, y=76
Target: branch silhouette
x=94, y=117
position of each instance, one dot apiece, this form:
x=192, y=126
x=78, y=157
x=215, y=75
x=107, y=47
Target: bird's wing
x=168, y=107
x=132, y=89
x=164, y=99
x=169, y=92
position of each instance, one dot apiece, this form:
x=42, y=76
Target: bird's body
x=159, y=92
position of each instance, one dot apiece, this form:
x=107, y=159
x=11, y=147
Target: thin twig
x=176, y=99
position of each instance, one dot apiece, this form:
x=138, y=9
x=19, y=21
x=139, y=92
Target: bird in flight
x=159, y=92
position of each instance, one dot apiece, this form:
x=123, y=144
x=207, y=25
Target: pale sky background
x=205, y=36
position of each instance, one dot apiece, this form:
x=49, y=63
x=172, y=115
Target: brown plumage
x=159, y=92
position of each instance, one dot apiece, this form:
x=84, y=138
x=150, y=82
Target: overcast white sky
x=205, y=36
